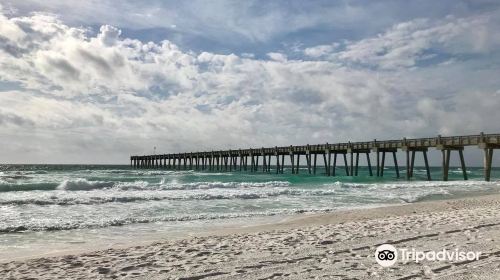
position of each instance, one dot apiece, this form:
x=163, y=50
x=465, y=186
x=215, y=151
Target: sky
x=98, y=81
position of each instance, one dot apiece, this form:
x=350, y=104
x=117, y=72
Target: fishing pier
x=329, y=154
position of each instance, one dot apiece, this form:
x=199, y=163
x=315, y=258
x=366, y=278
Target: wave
x=410, y=192
x=14, y=177
x=412, y=184
x=83, y=185
x=117, y=198
x=9, y=187
x=424, y=197
x=65, y=225
x=162, y=186
x=224, y=185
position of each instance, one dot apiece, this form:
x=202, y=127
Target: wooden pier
x=248, y=159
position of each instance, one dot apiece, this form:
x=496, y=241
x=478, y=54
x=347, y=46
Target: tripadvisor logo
x=386, y=255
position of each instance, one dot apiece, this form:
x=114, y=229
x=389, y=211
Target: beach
x=256, y=140
x=336, y=245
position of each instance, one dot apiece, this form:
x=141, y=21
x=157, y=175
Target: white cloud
x=109, y=35
x=277, y=56
x=408, y=43
x=321, y=50
x=100, y=97
x=249, y=21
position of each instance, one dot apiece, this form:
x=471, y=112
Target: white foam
x=224, y=185
x=175, y=185
x=57, y=224
x=412, y=184
x=83, y=185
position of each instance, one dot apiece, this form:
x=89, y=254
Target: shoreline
x=222, y=227
x=299, y=246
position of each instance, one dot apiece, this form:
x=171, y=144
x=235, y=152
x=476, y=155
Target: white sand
x=339, y=245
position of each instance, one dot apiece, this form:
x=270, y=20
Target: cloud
x=321, y=50
x=109, y=35
x=277, y=56
x=254, y=26
x=406, y=44
x=84, y=96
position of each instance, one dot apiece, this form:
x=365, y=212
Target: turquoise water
x=70, y=201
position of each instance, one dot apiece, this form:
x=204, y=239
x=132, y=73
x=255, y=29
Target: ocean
x=69, y=206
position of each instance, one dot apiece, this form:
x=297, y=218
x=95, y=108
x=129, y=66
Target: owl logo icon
x=386, y=255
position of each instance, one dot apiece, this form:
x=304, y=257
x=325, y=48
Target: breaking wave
x=156, y=196
x=57, y=225
x=80, y=184
x=83, y=185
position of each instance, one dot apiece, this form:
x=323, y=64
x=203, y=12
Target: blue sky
x=249, y=26
x=94, y=81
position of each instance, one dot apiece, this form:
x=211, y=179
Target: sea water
x=56, y=207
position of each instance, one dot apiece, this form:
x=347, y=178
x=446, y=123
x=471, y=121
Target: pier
x=249, y=159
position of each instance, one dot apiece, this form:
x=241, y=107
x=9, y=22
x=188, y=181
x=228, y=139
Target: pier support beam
x=369, y=163
x=334, y=167
x=292, y=158
x=381, y=160
x=395, y=159
x=308, y=159
x=256, y=163
x=345, y=163
x=252, y=162
x=351, y=173
x=211, y=162
x=488, y=158
x=410, y=161
x=446, y=151
x=314, y=164
x=327, y=157
x=282, y=163
x=264, y=162
x=242, y=160
x=298, y=164
x=355, y=165
x=382, y=165
x=269, y=163
x=278, y=166
x=226, y=162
